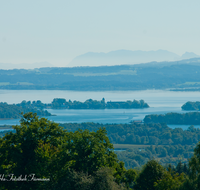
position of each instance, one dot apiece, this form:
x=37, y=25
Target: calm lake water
x=160, y=102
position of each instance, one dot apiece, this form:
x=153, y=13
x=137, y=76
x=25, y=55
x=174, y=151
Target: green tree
x=193, y=182
x=31, y=149
x=102, y=179
x=40, y=147
x=89, y=151
x=151, y=173
x=170, y=181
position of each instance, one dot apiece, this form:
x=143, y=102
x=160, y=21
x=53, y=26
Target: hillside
x=179, y=75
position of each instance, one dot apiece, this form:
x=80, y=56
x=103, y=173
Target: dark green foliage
x=127, y=104
x=61, y=103
x=193, y=182
x=174, y=153
x=169, y=145
x=191, y=106
x=31, y=149
x=179, y=168
x=191, y=118
x=144, y=134
x=151, y=173
x=102, y=179
x=89, y=150
x=40, y=147
x=86, y=160
x=12, y=111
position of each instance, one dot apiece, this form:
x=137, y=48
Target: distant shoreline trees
x=61, y=103
x=190, y=118
x=191, y=106
x=12, y=111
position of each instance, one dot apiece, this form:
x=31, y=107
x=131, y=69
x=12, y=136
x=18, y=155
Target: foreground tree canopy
x=39, y=154
x=43, y=148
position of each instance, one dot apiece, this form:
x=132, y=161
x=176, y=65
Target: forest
x=136, y=143
x=139, y=142
x=41, y=152
x=61, y=103
x=143, y=134
x=12, y=111
x=190, y=118
x=191, y=106
x=122, y=77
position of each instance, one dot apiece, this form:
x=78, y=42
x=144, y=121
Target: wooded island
x=190, y=118
x=61, y=103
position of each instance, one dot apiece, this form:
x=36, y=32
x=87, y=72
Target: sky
x=56, y=31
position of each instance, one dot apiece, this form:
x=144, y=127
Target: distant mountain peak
x=189, y=55
x=122, y=57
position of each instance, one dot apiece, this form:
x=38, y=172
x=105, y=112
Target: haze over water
x=155, y=98
x=160, y=102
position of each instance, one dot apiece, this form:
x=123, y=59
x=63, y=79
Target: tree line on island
x=191, y=106
x=190, y=118
x=61, y=103
x=62, y=159
x=13, y=111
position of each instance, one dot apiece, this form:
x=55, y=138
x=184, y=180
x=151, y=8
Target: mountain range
x=118, y=57
x=124, y=57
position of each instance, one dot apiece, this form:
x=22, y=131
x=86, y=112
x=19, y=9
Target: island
x=191, y=118
x=61, y=103
x=191, y=106
x=12, y=111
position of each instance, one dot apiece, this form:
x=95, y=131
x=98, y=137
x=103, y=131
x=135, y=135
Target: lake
x=160, y=102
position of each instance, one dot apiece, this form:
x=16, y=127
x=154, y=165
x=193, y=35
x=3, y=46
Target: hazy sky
x=56, y=31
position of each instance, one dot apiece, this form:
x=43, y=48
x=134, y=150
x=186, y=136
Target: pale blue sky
x=58, y=30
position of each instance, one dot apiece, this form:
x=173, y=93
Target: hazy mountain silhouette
x=189, y=55
x=24, y=65
x=121, y=57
